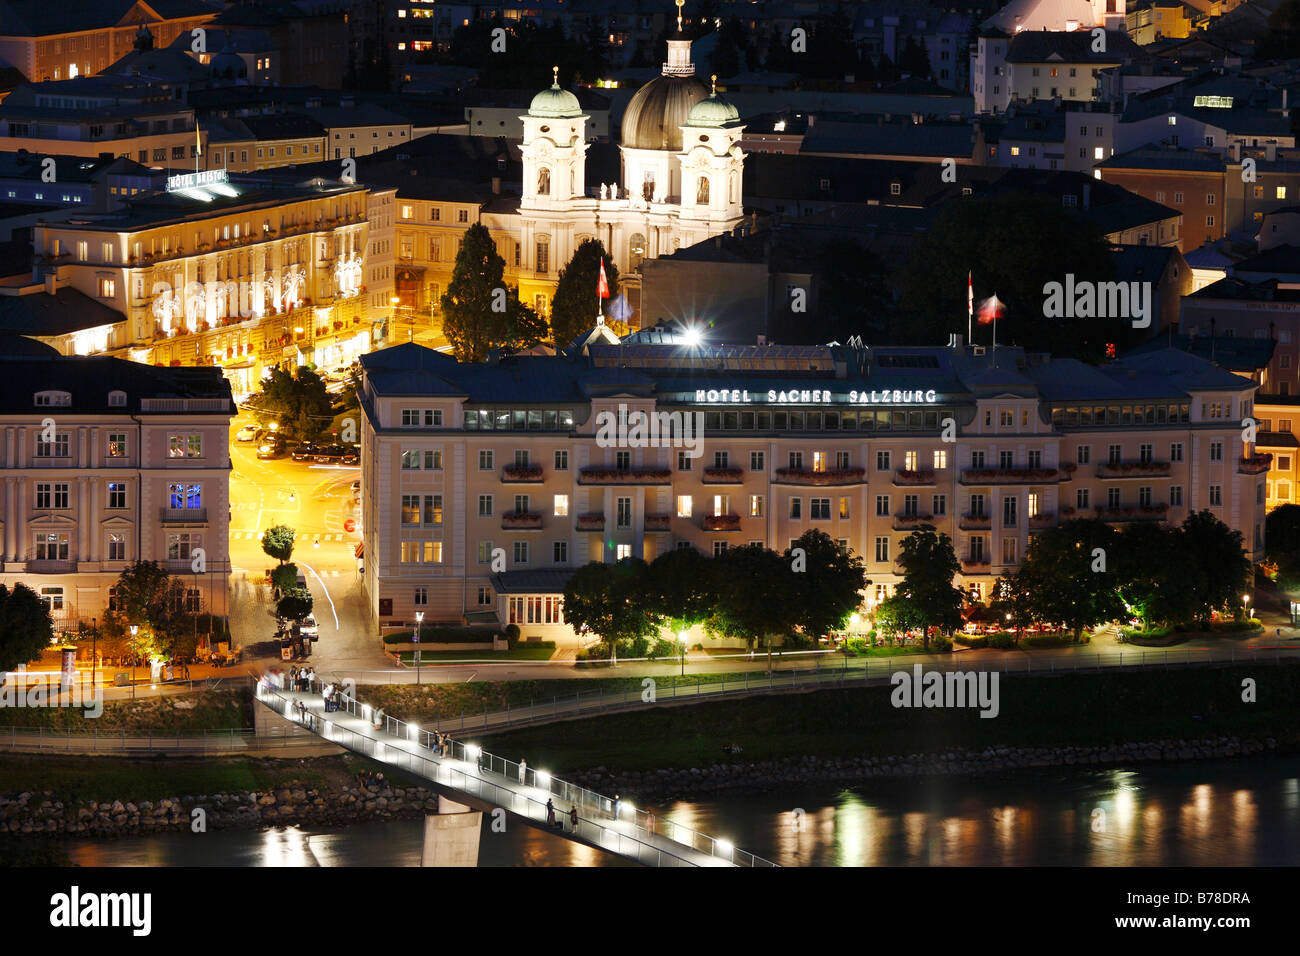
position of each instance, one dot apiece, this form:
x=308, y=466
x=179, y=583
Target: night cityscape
x=635, y=433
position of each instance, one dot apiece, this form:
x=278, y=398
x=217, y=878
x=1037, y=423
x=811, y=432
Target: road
x=316, y=501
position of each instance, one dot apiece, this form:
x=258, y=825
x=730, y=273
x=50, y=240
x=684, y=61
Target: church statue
x=543, y=182
x=604, y=191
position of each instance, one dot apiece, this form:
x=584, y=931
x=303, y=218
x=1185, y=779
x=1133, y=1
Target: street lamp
x=94, y=643
x=1245, y=605
x=135, y=629
x=419, y=624
x=681, y=636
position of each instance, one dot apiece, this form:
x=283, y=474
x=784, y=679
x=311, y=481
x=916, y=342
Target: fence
x=846, y=672
x=46, y=740
x=598, y=832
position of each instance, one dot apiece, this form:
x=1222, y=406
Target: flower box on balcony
x=1041, y=520
x=1132, y=513
x=911, y=521
x=722, y=522
x=1133, y=469
x=1001, y=476
x=625, y=476
x=521, y=473
x=518, y=520
x=806, y=476
x=657, y=522
x=914, y=476
x=591, y=522
x=974, y=563
x=723, y=476
x=1255, y=464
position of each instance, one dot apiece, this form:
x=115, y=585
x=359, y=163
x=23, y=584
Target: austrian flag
x=602, y=286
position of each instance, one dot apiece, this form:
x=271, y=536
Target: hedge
x=446, y=635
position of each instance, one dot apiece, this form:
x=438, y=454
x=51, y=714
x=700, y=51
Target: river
x=1229, y=813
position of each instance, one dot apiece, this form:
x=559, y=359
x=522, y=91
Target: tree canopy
x=826, y=583
x=480, y=312
x=294, y=605
x=754, y=586
x=1067, y=578
x=25, y=626
x=929, y=565
x=277, y=542
x=609, y=600
x=573, y=309
x=298, y=403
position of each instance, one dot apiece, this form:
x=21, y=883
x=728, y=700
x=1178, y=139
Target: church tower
x=554, y=149
x=711, y=163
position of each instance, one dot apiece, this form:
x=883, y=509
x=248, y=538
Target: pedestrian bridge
x=477, y=778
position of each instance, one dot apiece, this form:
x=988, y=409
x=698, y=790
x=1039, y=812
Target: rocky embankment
x=46, y=813
x=793, y=771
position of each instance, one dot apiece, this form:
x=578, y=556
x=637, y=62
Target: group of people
x=371, y=780
x=332, y=693
x=442, y=744
x=300, y=678
x=552, y=821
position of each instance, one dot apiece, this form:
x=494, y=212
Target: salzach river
x=1231, y=813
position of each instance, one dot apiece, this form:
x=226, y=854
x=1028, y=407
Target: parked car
x=309, y=628
x=338, y=454
x=356, y=488
x=304, y=451
x=247, y=433
x=271, y=448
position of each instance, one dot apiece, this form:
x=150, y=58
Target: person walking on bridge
x=573, y=818
x=550, y=813
x=523, y=770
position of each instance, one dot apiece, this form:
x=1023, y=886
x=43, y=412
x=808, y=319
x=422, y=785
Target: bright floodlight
x=724, y=846
x=472, y=751
x=692, y=335
x=543, y=778
x=415, y=730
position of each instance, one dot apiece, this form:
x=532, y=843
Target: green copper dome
x=713, y=110
x=555, y=103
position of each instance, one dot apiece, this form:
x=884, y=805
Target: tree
x=299, y=404
x=277, y=542
x=1219, y=572
x=284, y=577
x=1013, y=245
x=1151, y=565
x=827, y=583
x=682, y=589
x=1010, y=605
x=929, y=565
x=610, y=600
x=295, y=605
x=480, y=312
x=1066, y=576
x=142, y=593
x=754, y=588
x=898, y=614
x=574, y=308
x=26, y=628
x=1282, y=537
x=914, y=60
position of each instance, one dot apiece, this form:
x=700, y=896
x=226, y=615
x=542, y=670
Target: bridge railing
x=599, y=832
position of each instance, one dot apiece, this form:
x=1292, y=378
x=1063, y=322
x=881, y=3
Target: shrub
x=1002, y=641
x=664, y=648
x=633, y=647
x=284, y=577
x=512, y=633
x=973, y=641
x=940, y=644
x=1250, y=625
x=1052, y=640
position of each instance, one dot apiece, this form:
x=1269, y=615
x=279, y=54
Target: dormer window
x=49, y=399
x=117, y=399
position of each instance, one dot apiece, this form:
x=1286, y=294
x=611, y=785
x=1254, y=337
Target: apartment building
x=240, y=273
x=484, y=486
x=106, y=462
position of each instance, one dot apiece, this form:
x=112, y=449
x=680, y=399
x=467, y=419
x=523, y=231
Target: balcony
x=1255, y=464
x=1008, y=476
x=657, y=523
x=975, y=564
x=1134, y=469
x=721, y=523
x=591, y=522
x=1132, y=513
x=188, y=516
x=1067, y=470
x=51, y=566
x=905, y=521
x=521, y=474
x=624, y=476
x=806, y=476
x=723, y=476
x=521, y=521
x=911, y=477
x=1044, y=519
x=975, y=522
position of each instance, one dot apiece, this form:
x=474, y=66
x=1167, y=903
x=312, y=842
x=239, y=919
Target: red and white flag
x=970, y=296
x=990, y=310
x=602, y=286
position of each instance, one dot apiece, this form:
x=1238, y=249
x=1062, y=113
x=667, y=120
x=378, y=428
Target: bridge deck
x=636, y=835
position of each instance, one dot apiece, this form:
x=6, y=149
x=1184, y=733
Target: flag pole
x=970, y=308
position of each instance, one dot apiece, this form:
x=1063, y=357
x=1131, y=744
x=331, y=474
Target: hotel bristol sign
x=815, y=396
x=212, y=177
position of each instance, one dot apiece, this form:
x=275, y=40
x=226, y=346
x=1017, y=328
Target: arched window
x=543, y=181
x=702, y=191
x=52, y=398
x=635, y=252
x=117, y=399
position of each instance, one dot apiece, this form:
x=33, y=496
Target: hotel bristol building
x=484, y=486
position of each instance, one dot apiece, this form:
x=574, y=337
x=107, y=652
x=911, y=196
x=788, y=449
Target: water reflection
x=1231, y=814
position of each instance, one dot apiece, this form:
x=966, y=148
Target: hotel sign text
x=212, y=177
x=815, y=396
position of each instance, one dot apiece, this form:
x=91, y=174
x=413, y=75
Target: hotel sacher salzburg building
x=484, y=486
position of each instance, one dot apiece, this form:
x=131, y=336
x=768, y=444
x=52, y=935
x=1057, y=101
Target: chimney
x=496, y=185
x=1270, y=152
x=52, y=280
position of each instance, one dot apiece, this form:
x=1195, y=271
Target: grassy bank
x=1108, y=708
x=203, y=710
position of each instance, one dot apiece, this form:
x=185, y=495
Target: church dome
x=654, y=116
x=555, y=103
x=228, y=67
x=714, y=111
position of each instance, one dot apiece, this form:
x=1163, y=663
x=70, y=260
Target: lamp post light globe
x=419, y=625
